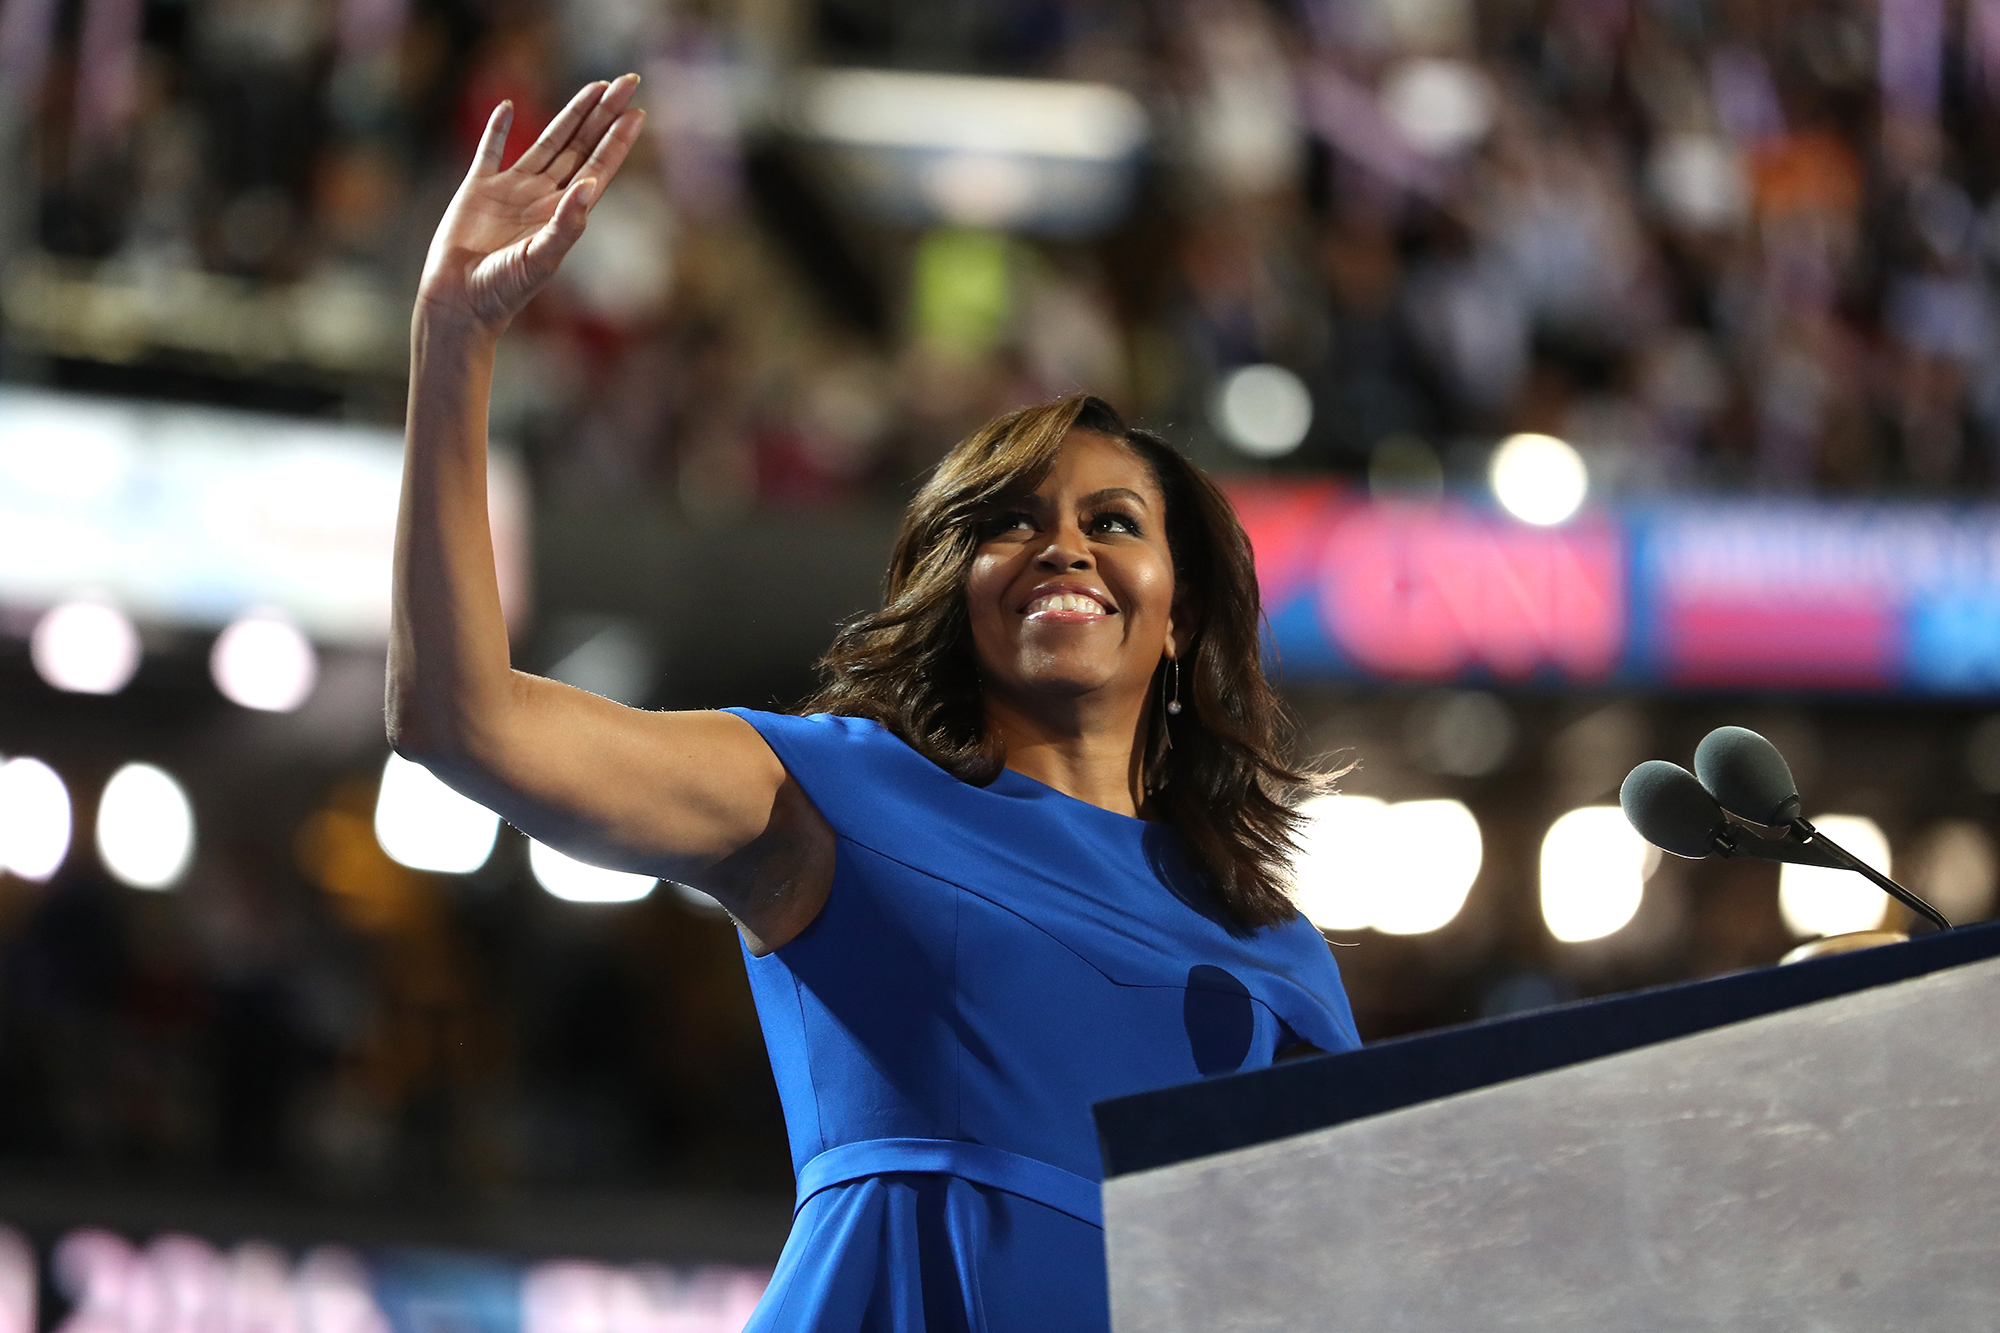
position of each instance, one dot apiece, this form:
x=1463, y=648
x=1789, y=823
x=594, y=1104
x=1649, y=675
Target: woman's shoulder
x=835, y=734
x=851, y=768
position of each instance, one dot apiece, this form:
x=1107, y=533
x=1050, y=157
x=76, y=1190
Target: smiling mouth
x=1066, y=607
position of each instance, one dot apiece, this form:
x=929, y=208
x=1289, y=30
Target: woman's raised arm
x=696, y=797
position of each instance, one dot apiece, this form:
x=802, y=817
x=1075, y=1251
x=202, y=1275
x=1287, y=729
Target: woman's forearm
x=449, y=669
x=692, y=795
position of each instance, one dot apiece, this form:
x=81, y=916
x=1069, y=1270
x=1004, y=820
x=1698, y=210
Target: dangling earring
x=1174, y=704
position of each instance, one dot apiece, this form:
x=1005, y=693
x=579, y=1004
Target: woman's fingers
x=569, y=163
x=612, y=148
x=563, y=128
x=492, y=143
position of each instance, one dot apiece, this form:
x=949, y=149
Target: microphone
x=1673, y=810
x=1747, y=776
x=1752, y=781
x=1741, y=774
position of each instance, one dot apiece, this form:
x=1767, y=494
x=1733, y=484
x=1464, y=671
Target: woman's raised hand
x=506, y=231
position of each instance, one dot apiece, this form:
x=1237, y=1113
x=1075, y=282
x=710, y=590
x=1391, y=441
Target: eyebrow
x=1117, y=492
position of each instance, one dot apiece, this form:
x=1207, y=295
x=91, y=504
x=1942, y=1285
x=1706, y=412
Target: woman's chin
x=1058, y=684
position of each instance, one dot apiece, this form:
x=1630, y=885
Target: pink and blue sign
x=1683, y=594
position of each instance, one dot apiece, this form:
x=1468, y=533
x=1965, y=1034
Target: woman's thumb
x=548, y=246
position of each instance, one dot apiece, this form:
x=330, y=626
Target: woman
x=1028, y=853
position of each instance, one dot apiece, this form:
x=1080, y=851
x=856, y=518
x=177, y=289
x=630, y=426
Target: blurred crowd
x=307, y=1013
x=1710, y=242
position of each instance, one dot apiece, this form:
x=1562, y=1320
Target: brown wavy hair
x=1221, y=783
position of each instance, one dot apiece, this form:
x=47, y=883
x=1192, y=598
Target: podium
x=1806, y=1148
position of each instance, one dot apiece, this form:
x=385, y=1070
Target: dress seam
x=792, y=1287
x=965, y=891
x=819, y=1119
x=957, y=1011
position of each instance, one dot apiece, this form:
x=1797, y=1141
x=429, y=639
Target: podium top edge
x=1147, y=1130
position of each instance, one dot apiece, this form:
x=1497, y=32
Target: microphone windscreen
x=1747, y=775
x=1671, y=809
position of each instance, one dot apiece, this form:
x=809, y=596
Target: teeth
x=1066, y=601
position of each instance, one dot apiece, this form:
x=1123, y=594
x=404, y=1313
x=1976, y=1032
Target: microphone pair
x=1740, y=781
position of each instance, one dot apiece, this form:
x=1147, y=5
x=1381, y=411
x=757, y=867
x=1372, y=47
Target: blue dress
x=989, y=962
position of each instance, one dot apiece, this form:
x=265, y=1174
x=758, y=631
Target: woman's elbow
x=413, y=733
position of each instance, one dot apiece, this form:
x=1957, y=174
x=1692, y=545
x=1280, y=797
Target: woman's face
x=1072, y=586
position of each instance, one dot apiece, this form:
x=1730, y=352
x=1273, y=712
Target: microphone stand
x=1812, y=837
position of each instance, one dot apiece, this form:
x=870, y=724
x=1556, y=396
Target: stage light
x=85, y=648
x=1955, y=867
x=1264, y=411
x=1594, y=869
x=1337, y=875
x=1816, y=901
x=262, y=661
x=1434, y=851
x=34, y=819
x=954, y=113
x=1402, y=868
x=1442, y=107
x=576, y=881
x=425, y=825
x=145, y=827
x=1539, y=479
x=1700, y=180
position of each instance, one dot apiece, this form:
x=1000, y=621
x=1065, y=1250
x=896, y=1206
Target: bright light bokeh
x=1594, y=869
x=85, y=648
x=1056, y=118
x=1539, y=479
x=262, y=661
x=1956, y=868
x=1264, y=410
x=34, y=819
x=1433, y=851
x=425, y=825
x=145, y=827
x=1402, y=868
x=1336, y=876
x=1817, y=901
x=1441, y=107
x=576, y=881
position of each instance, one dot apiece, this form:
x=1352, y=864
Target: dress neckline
x=1032, y=788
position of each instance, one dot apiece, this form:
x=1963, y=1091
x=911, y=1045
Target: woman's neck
x=1091, y=749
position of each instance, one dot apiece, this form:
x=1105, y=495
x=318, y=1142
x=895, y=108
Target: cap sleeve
x=860, y=777
x=1312, y=1001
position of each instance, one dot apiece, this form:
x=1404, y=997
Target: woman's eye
x=1013, y=521
x=1116, y=522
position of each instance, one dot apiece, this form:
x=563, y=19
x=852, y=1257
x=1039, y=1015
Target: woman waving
x=1025, y=850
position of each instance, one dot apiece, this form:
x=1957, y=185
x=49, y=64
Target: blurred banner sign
x=1682, y=594
x=194, y=515
x=99, y=1282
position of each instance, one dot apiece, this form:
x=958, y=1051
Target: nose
x=1066, y=550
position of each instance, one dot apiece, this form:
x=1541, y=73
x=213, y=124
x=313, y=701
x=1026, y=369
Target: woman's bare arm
x=696, y=797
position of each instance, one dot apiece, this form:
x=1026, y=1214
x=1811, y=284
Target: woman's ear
x=1181, y=625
